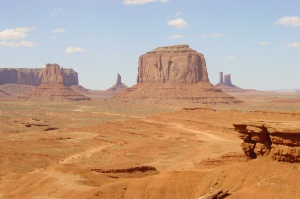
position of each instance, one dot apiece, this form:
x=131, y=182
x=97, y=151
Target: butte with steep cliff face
x=15, y=82
x=174, y=73
x=53, y=87
x=33, y=76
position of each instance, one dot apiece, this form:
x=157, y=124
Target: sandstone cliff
x=53, y=87
x=279, y=140
x=53, y=74
x=70, y=77
x=177, y=64
x=171, y=74
x=33, y=76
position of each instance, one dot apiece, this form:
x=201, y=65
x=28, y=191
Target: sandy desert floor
x=96, y=150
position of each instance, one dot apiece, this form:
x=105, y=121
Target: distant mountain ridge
x=285, y=90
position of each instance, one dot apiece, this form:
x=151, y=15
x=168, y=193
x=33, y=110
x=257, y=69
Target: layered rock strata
x=33, y=76
x=202, y=92
x=174, y=73
x=53, y=87
x=53, y=74
x=279, y=140
x=176, y=64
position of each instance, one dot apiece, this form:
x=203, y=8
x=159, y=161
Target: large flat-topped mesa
x=33, y=76
x=172, y=74
x=176, y=64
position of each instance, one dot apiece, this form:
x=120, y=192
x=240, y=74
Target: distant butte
x=119, y=86
x=174, y=73
x=33, y=76
x=53, y=87
x=226, y=85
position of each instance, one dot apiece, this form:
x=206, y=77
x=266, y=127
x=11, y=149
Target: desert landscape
x=172, y=135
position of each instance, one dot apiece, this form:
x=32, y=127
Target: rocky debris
x=176, y=64
x=199, y=108
x=33, y=76
x=53, y=92
x=80, y=89
x=53, y=87
x=3, y=94
x=126, y=170
x=279, y=140
x=217, y=194
x=202, y=93
x=51, y=129
x=174, y=73
x=131, y=172
x=13, y=90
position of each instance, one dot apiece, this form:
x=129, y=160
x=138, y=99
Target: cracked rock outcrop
x=279, y=140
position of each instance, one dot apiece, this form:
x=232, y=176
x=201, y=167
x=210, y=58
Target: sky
x=256, y=41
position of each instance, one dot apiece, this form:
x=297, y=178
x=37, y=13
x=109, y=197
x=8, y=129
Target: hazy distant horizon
x=257, y=42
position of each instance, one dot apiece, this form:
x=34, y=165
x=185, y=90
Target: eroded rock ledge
x=279, y=140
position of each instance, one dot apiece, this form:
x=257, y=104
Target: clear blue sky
x=256, y=41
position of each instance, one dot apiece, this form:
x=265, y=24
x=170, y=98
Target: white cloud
x=217, y=35
x=17, y=33
x=176, y=36
x=293, y=45
x=264, y=43
x=141, y=2
x=231, y=57
x=56, y=12
x=118, y=53
x=288, y=21
x=19, y=44
x=71, y=50
x=59, y=30
x=178, y=23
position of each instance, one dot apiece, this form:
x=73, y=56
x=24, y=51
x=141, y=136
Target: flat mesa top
x=32, y=69
x=173, y=49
